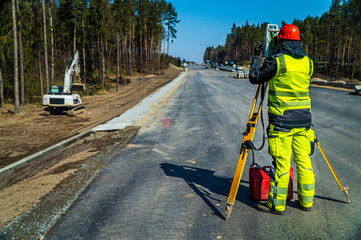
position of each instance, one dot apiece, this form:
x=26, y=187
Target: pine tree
x=16, y=70
x=21, y=56
x=46, y=50
x=2, y=101
x=171, y=21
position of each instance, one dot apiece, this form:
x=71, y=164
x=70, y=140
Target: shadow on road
x=201, y=180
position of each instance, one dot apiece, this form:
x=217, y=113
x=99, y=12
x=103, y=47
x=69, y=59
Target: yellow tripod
x=246, y=146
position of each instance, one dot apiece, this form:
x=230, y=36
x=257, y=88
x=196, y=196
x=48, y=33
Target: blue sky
x=206, y=23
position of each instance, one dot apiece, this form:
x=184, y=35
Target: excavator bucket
x=78, y=87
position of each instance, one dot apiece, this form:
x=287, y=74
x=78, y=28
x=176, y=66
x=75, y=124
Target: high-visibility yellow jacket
x=288, y=73
x=289, y=103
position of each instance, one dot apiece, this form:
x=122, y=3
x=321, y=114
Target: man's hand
x=258, y=49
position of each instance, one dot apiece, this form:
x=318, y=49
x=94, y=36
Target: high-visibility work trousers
x=282, y=144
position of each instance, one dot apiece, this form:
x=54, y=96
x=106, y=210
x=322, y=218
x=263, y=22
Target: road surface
x=173, y=180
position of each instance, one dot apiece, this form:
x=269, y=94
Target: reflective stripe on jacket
x=289, y=103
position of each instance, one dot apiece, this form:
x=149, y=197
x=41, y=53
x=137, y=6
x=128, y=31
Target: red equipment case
x=259, y=183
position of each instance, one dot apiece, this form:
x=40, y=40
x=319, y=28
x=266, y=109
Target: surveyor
x=288, y=73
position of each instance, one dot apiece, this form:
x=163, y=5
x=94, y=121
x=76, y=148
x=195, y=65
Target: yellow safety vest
x=289, y=103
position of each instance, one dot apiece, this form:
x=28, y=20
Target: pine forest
x=333, y=41
x=120, y=37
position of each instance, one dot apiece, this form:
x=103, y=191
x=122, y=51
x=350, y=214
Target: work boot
x=264, y=208
x=307, y=209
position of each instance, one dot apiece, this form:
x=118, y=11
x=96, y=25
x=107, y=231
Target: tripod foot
x=228, y=211
x=346, y=193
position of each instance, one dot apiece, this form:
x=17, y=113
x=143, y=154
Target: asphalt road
x=173, y=180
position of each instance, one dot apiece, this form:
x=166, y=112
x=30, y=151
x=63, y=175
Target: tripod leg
x=344, y=189
x=235, y=183
x=248, y=137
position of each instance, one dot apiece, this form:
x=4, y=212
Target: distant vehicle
x=208, y=63
x=240, y=74
x=357, y=90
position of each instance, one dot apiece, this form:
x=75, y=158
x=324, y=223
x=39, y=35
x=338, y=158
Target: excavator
x=61, y=99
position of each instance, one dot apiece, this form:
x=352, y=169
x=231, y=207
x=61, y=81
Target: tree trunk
x=106, y=55
x=16, y=70
x=118, y=60
x=74, y=38
x=151, y=52
x=354, y=59
x=84, y=58
x=315, y=49
x=168, y=45
x=159, y=53
x=349, y=55
x=133, y=47
x=103, y=61
x=141, y=49
x=163, y=41
x=2, y=100
x=22, y=79
x=93, y=56
x=46, y=51
x=99, y=59
x=121, y=57
x=126, y=53
x=343, y=60
x=337, y=59
x=52, y=45
x=236, y=53
x=353, y=68
x=130, y=62
x=331, y=60
x=40, y=77
x=146, y=49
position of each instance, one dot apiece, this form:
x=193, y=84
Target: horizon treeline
x=38, y=39
x=333, y=41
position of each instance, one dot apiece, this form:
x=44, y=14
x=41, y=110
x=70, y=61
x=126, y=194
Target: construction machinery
x=61, y=99
x=268, y=49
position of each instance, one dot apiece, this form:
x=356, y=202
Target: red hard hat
x=289, y=31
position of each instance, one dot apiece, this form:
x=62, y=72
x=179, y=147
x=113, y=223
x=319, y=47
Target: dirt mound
x=172, y=70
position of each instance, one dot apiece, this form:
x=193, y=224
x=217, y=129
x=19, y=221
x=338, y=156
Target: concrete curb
x=348, y=86
x=46, y=152
x=131, y=116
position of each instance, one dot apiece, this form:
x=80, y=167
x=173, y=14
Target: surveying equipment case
x=259, y=183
